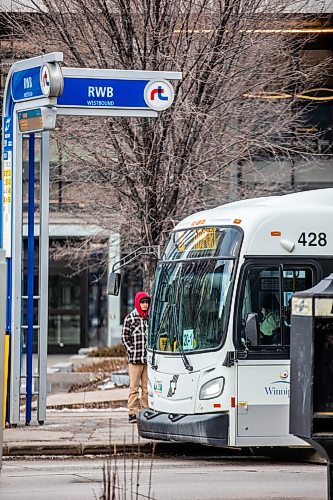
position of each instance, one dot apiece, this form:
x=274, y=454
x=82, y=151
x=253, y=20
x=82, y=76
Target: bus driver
x=270, y=311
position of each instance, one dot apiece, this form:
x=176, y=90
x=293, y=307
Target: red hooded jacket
x=139, y=296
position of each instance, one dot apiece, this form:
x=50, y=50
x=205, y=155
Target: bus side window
x=263, y=296
x=260, y=297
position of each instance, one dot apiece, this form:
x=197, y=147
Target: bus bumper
x=211, y=429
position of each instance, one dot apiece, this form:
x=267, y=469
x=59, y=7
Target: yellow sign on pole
x=5, y=379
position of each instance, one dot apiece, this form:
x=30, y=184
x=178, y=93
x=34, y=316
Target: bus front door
x=263, y=373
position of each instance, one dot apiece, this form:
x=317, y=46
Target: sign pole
x=29, y=328
x=43, y=277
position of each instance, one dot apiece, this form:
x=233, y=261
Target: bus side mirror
x=114, y=283
x=252, y=329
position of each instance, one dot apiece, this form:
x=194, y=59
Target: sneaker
x=132, y=419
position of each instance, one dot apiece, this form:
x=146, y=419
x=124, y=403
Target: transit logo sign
x=158, y=387
x=159, y=94
x=279, y=387
x=284, y=375
x=45, y=80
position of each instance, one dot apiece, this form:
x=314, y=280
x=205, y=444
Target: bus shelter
x=37, y=91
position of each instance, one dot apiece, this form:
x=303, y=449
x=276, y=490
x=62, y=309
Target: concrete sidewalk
x=91, y=431
x=67, y=400
x=79, y=431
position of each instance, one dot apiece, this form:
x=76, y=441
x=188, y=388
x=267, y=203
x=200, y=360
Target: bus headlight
x=212, y=389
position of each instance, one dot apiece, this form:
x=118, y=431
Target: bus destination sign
x=198, y=239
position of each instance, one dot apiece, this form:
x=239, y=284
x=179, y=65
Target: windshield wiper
x=186, y=362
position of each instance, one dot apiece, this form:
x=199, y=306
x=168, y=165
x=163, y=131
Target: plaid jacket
x=134, y=337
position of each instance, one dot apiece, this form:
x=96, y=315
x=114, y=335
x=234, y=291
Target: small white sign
x=301, y=307
x=159, y=94
x=188, y=340
x=324, y=307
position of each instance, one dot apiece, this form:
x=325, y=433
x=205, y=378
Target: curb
x=73, y=449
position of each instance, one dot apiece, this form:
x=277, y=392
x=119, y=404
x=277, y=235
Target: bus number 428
x=313, y=239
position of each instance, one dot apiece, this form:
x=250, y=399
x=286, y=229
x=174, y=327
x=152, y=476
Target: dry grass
x=123, y=480
x=114, y=351
x=102, y=371
x=105, y=365
x=100, y=405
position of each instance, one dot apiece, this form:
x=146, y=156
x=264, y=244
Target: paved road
x=186, y=478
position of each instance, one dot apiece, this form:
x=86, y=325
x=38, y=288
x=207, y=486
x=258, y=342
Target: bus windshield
x=191, y=305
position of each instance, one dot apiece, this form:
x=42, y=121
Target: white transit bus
x=219, y=333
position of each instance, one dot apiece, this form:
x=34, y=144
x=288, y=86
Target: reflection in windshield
x=198, y=293
x=203, y=242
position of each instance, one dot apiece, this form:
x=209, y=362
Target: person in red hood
x=134, y=337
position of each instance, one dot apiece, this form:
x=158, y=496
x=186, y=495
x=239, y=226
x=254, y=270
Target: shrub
x=115, y=351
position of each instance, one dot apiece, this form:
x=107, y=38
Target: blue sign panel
x=7, y=183
x=26, y=84
x=8, y=138
x=101, y=92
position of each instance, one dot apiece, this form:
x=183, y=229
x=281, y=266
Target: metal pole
x=43, y=277
x=30, y=278
x=329, y=479
x=3, y=293
x=16, y=290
